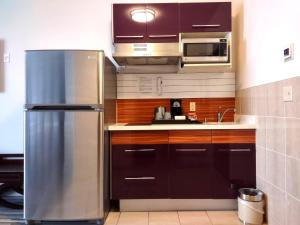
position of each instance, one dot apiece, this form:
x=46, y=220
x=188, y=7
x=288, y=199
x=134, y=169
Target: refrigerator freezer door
x=63, y=165
x=73, y=77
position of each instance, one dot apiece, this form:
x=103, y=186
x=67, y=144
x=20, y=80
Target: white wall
x=46, y=24
x=265, y=28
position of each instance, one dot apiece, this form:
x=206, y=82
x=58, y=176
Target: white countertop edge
x=211, y=126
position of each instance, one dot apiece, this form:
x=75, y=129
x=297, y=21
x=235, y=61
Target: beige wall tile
x=293, y=137
x=261, y=131
x=275, y=134
x=259, y=100
x=275, y=169
x=133, y=218
x=275, y=104
x=293, y=177
x=223, y=217
x=193, y=218
x=238, y=101
x=112, y=218
x=260, y=162
x=246, y=102
x=292, y=109
x=163, y=218
x=276, y=206
x=293, y=211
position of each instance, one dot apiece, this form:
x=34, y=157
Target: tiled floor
x=174, y=218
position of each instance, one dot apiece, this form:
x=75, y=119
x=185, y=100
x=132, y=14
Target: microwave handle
x=205, y=25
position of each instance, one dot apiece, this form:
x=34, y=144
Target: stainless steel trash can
x=250, y=206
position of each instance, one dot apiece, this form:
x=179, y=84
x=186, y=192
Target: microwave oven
x=205, y=50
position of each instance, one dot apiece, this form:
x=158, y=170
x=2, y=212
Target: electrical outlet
x=288, y=94
x=192, y=106
x=6, y=57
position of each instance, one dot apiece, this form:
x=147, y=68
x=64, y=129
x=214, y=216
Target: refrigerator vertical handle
x=101, y=77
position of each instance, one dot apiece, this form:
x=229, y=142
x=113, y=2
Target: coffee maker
x=176, y=109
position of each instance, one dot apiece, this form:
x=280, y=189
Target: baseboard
x=176, y=204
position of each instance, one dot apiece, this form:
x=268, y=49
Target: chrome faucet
x=221, y=115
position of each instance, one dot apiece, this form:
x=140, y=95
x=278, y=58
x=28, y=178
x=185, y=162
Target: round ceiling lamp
x=142, y=15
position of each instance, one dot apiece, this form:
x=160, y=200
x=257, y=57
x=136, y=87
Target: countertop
x=206, y=126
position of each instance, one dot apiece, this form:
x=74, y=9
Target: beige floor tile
x=223, y=217
x=193, y=218
x=133, y=218
x=163, y=218
x=112, y=218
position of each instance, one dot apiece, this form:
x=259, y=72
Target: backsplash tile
x=293, y=177
x=275, y=134
x=293, y=108
x=275, y=168
x=142, y=110
x=275, y=102
x=293, y=209
x=293, y=137
x=277, y=146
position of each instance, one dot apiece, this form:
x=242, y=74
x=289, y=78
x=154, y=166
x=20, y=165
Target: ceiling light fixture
x=142, y=15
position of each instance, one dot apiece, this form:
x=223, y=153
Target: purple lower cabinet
x=139, y=171
x=234, y=168
x=191, y=167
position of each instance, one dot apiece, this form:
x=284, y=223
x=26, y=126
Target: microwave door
x=205, y=52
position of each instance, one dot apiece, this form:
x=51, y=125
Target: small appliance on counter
x=176, y=109
x=174, y=117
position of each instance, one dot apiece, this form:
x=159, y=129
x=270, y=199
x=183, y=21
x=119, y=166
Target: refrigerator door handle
x=98, y=108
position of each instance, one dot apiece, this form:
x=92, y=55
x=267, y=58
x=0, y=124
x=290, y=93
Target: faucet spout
x=221, y=115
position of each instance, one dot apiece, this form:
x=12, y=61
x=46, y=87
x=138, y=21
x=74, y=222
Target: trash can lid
x=251, y=194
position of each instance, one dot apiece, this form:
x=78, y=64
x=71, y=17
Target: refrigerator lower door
x=64, y=165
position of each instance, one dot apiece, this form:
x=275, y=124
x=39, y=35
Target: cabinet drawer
x=139, y=137
x=234, y=168
x=233, y=136
x=205, y=17
x=137, y=185
x=139, y=157
x=191, y=171
x=189, y=137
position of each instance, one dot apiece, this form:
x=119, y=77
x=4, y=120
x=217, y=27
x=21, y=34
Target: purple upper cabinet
x=165, y=25
x=205, y=17
x=126, y=30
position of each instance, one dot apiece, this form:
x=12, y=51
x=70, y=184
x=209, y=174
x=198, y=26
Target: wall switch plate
x=288, y=52
x=288, y=94
x=192, y=106
x=6, y=57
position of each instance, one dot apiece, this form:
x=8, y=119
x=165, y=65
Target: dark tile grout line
x=210, y=221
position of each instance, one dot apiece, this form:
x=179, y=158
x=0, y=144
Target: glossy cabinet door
x=139, y=171
x=125, y=30
x=234, y=168
x=191, y=167
x=165, y=26
x=205, y=17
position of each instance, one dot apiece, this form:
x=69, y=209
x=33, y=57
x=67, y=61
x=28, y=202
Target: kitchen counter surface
x=207, y=126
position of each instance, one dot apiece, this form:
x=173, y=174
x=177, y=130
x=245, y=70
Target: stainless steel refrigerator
x=70, y=100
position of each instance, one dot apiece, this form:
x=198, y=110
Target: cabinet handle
x=205, y=25
x=140, y=150
x=139, y=178
x=13, y=158
x=129, y=36
x=163, y=36
x=235, y=150
x=240, y=150
x=191, y=150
